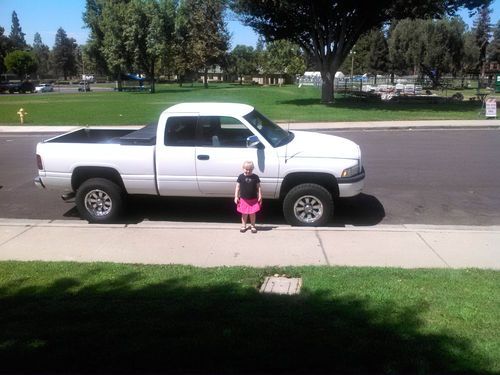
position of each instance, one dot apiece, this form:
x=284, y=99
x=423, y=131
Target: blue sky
x=46, y=16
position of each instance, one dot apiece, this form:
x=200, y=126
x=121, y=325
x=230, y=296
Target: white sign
x=491, y=107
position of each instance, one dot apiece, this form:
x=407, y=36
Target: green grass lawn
x=284, y=104
x=111, y=318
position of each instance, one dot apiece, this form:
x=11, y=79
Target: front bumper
x=351, y=186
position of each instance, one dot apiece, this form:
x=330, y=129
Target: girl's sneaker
x=253, y=229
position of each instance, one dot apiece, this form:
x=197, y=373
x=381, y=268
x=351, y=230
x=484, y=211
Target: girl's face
x=247, y=170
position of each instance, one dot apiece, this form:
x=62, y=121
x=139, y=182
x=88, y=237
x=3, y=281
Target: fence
x=387, y=86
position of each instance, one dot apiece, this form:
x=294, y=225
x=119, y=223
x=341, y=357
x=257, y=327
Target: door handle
x=203, y=157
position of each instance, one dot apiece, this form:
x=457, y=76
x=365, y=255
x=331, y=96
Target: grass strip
x=110, y=318
x=283, y=104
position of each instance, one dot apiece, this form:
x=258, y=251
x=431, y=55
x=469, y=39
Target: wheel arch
x=82, y=174
x=328, y=181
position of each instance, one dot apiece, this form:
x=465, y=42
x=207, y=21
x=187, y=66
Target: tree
x=64, y=55
x=5, y=47
x=21, y=63
x=378, y=53
x=329, y=29
x=244, y=61
x=42, y=54
x=94, y=47
x=371, y=54
x=444, y=48
x=493, y=53
x=284, y=57
x=202, y=38
x=482, y=33
x=114, y=45
x=149, y=33
x=430, y=47
x=16, y=35
x=130, y=35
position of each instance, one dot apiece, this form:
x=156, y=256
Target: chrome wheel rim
x=98, y=203
x=308, y=209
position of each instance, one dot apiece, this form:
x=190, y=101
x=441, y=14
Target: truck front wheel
x=99, y=200
x=308, y=205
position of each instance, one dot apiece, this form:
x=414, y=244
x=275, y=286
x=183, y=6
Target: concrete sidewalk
x=215, y=244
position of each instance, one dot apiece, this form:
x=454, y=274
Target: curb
x=314, y=126
x=233, y=226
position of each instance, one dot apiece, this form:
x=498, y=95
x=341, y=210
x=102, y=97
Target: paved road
x=413, y=177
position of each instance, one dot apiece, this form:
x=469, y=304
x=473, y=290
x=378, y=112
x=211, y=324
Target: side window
x=222, y=131
x=181, y=131
x=209, y=131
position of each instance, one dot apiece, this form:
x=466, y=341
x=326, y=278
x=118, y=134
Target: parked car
x=4, y=87
x=84, y=86
x=21, y=87
x=44, y=87
x=196, y=150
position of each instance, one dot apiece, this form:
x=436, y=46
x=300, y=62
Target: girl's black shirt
x=248, y=186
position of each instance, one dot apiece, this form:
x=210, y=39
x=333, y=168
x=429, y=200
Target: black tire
x=308, y=205
x=99, y=200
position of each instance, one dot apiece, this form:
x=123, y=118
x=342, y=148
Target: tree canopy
x=329, y=29
x=64, y=54
x=16, y=35
x=22, y=63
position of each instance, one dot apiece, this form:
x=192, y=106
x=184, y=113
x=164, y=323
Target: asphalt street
x=437, y=177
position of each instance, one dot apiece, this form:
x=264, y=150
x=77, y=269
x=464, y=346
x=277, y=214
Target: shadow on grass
x=364, y=104
x=122, y=326
x=188, y=88
x=362, y=210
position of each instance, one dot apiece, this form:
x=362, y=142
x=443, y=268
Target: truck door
x=220, y=155
x=175, y=157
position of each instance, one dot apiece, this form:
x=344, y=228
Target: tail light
x=39, y=162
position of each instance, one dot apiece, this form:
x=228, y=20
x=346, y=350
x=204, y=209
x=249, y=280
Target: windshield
x=273, y=133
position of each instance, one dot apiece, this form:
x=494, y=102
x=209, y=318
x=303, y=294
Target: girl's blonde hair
x=248, y=165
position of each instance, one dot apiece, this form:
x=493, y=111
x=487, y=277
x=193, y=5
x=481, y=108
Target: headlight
x=352, y=171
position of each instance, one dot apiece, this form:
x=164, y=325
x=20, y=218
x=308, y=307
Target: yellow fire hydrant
x=21, y=114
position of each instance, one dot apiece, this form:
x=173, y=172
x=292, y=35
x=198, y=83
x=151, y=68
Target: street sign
x=491, y=107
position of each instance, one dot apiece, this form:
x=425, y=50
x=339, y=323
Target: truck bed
x=145, y=136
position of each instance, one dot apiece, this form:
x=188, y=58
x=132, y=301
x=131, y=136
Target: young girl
x=248, y=196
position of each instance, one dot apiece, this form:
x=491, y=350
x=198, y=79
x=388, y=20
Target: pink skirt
x=248, y=206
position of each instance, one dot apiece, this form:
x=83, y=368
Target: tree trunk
x=152, y=77
x=433, y=75
x=327, y=87
x=205, y=77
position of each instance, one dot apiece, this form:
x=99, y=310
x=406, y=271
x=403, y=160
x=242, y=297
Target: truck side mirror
x=254, y=142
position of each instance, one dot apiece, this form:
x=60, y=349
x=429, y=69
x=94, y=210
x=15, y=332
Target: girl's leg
x=243, y=222
x=252, y=222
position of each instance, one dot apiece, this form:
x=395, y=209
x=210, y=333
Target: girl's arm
x=259, y=193
x=237, y=193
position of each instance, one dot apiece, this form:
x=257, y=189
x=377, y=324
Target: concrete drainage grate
x=281, y=285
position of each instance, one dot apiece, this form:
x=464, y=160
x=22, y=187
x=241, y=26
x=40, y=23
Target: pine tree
x=493, y=52
x=482, y=32
x=64, y=54
x=16, y=35
x=42, y=53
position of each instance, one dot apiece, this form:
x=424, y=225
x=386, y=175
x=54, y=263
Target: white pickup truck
x=197, y=150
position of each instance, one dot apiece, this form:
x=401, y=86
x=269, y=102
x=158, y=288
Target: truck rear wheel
x=99, y=200
x=308, y=205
